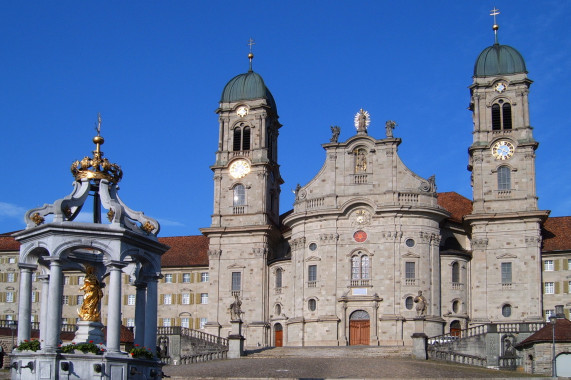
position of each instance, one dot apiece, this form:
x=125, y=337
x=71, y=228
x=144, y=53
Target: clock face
x=239, y=169
x=501, y=87
x=360, y=236
x=242, y=111
x=503, y=150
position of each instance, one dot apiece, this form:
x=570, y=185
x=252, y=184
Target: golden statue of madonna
x=89, y=310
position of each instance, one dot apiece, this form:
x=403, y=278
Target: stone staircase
x=332, y=352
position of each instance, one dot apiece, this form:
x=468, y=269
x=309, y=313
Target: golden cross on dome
x=250, y=43
x=494, y=12
x=251, y=55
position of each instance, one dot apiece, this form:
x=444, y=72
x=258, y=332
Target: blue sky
x=156, y=69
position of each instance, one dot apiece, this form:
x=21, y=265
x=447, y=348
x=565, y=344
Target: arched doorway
x=359, y=328
x=278, y=335
x=455, y=328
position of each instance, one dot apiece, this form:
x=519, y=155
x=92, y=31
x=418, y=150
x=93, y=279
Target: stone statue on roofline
x=335, y=131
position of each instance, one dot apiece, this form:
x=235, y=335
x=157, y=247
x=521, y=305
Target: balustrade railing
x=198, y=358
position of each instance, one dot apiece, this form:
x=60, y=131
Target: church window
x=312, y=304
x=312, y=247
x=279, y=273
x=548, y=265
x=360, y=268
x=278, y=310
x=239, y=195
x=501, y=116
x=506, y=273
x=549, y=288
x=241, y=138
x=410, y=273
x=203, y=298
x=504, y=178
x=360, y=160
x=131, y=299
x=236, y=281
x=507, y=310
x=409, y=243
x=409, y=303
x=312, y=275
x=455, y=272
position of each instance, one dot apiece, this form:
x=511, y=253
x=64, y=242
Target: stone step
x=332, y=352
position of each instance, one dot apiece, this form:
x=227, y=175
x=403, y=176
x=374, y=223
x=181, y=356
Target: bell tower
x=245, y=221
x=505, y=222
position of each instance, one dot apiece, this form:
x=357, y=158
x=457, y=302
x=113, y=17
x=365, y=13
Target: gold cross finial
x=98, y=124
x=251, y=55
x=494, y=12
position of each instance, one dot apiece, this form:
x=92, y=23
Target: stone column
x=114, y=308
x=151, y=314
x=25, y=302
x=45, y=279
x=140, y=308
x=53, y=320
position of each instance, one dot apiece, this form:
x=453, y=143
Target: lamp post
x=13, y=325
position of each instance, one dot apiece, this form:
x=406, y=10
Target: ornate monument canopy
x=98, y=177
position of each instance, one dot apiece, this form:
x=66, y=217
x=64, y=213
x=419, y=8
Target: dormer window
x=501, y=116
x=241, y=138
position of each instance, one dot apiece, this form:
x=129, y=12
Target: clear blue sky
x=156, y=69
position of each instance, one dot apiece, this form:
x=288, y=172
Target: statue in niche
x=389, y=126
x=335, y=131
x=235, y=309
x=92, y=295
x=361, y=161
x=421, y=304
x=509, y=349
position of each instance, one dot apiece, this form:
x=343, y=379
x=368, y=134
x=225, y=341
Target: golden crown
x=97, y=167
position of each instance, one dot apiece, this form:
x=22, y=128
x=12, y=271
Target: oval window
x=312, y=305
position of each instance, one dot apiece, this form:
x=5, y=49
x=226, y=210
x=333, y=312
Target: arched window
x=360, y=267
x=241, y=139
x=409, y=302
x=312, y=304
x=279, y=273
x=360, y=160
x=455, y=272
x=278, y=310
x=507, y=310
x=239, y=195
x=504, y=178
x=501, y=116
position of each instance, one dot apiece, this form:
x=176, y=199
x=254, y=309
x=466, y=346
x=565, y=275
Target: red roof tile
x=185, y=251
x=557, y=234
x=545, y=334
x=8, y=243
x=457, y=205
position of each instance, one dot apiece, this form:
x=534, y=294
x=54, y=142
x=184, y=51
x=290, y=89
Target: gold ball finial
x=98, y=140
x=250, y=55
x=495, y=27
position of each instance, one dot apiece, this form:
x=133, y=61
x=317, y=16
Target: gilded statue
x=91, y=287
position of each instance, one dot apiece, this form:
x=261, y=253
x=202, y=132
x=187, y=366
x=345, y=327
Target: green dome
x=248, y=86
x=499, y=60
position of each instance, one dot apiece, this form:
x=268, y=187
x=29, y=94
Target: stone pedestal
x=89, y=331
x=236, y=341
x=419, y=341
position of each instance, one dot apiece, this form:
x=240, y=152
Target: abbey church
x=369, y=247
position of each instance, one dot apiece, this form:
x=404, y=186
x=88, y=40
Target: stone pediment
x=236, y=266
x=506, y=256
x=410, y=255
x=313, y=258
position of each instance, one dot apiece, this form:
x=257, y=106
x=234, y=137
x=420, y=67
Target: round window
x=312, y=247
x=409, y=242
x=312, y=305
x=507, y=310
x=409, y=302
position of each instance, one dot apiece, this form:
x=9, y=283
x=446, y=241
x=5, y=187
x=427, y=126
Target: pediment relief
x=313, y=258
x=235, y=266
x=507, y=256
x=411, y=255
